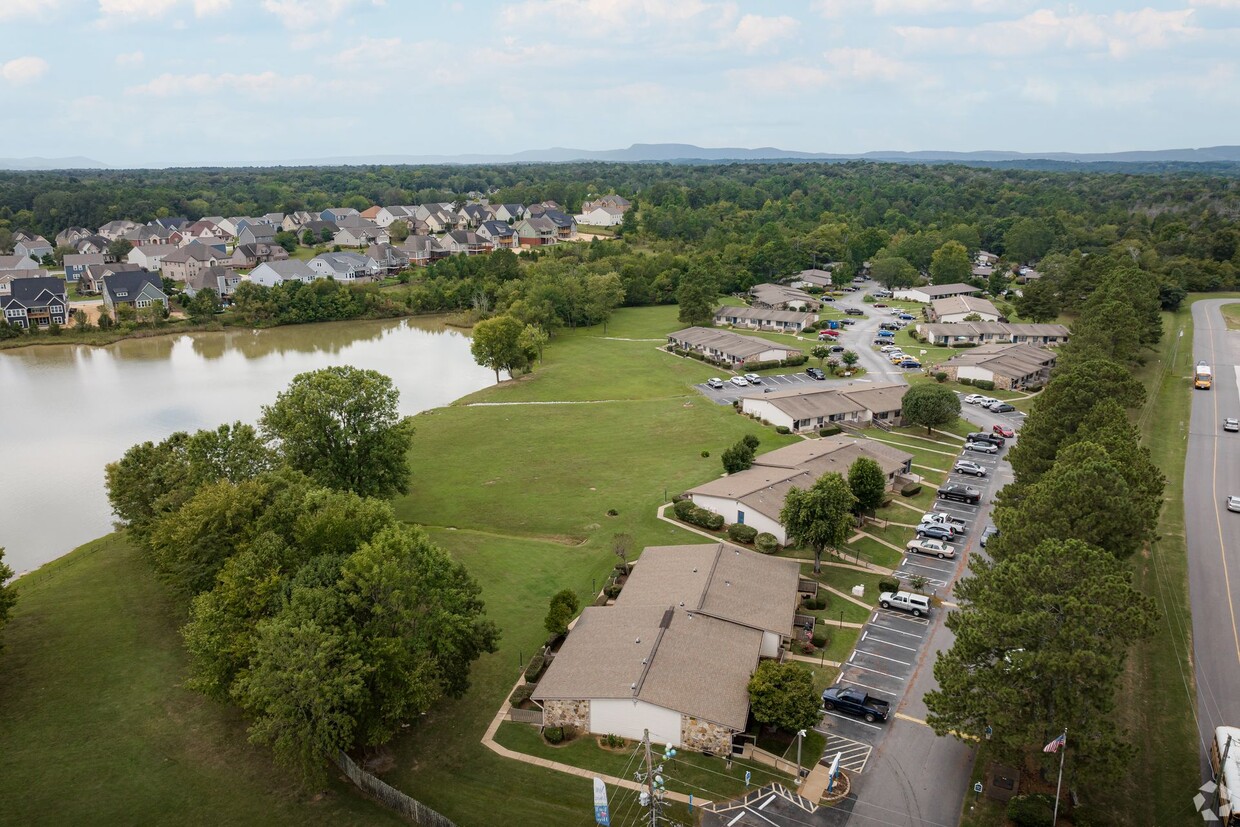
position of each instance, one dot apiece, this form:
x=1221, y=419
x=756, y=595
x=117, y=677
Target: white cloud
x=368, y=49
x=206, y=8
x=1118, y=34
x=130, y=59
x=263, y=85
x=21, y=70
x=865, y=65
x=838, y=8
x=307, y=14
x=784, y=78
x=1040, y=90
x=135, y=8
x=1215, y=4
x=13, y=9
x=617, y=19
x=753, y=31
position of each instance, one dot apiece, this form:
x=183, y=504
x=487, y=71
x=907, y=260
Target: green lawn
x=841, y=643
x=95, y=727
x=1231, y=314
x=837, y=606
x=843, y=580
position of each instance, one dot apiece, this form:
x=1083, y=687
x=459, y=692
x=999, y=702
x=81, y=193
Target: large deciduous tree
x=696, y=297
x=1028, y=240
x=893, y=271
x=819, y=516
x=950, y=264
x=782, y=695
x=341, y=427
x=931, y=406
x=8, y=596
x=868, y=484
x=1038, y=301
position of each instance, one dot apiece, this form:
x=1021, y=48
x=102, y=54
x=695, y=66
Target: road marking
x=867, y=686
x=880, y=657
x=1218, y=520
x=848, y=718
x=875, y=671
x=858, y=752
x=897, y=645
x=899, y=631
x=908, y=561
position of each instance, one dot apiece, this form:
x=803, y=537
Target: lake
x=67, y=410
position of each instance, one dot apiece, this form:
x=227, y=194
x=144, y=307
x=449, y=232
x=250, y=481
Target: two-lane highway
x=1212, y=472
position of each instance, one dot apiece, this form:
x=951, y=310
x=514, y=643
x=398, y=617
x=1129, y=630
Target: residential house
x=151, y=257
x=205, y=229
x=150, y=234
x=117, y=229
x=673, y=657
x=565, y=225
x=271, y=273
x=779, y=297
x=536, y=231
x=370, y=213
x=982, y=271
x=728, y=349
x=7, y=278
x=762, y=318
x=929, y=292
x=247, y=256
x=992, y=332
x=317, y=228
x=601, y=216
x=509, y=213
x=755, y=496
x=335, y=214
x=390, y=259
x=91, y=280
x=436, y=218
x=76, y=264
x=232, y=224
x=813, y=277
x=257, y=234
x=274, y=219
x=350, y=268
x=35, y=246
x=185, y=262
x=613, y=201
x=958, y=308
x=386, y=215
x=91, y=245
x=465, y=242
x=541, y=207
x=811, y=407
x=175, y=222
x=422, y=249
x=70, y=236
x=497, y=234
x=218, y=245
x=985, y=259
x=35, y=302
x=1027, y=274
x=220, y=279
x=475, y=214
x=18, y=261
x=1010, y=367
x=135, y=289
x=362, y=236
x=294, y=221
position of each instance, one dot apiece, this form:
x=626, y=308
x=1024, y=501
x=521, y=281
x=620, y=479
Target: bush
x=766, y=543
x=963, y=344
x=821, y=637
x=888, y=584
x=521, y=694
x=705, y=454
x=830, y=430
x=554, y=734
x=683, y=509
x=817, y=602
x=794, y=361
x=868, y=299
x=984, y=384
x=910, y=489
x=940, y=376
x=708, y=519
x=1030, y=811
x=613, y=740
x=965, y=381
x=535, y=668
x=611, y=512
x=741, y=533
x=782, y=429
x=612, y=590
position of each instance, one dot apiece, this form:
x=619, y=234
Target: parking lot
x=772, y=382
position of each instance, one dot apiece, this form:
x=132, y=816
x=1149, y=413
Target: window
x=142, y=303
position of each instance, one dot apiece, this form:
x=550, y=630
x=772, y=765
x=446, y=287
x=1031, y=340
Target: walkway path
x=572, y=402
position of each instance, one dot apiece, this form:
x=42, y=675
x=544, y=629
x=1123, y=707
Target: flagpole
x=1063, y=748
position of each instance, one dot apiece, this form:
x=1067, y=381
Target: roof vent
x=727, y=582
x=639, y=640
x=682, y=604
x=695, y=569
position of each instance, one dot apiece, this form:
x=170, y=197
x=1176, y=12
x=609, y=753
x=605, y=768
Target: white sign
x=601, y=815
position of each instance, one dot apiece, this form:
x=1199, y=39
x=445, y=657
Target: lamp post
x=800, y=737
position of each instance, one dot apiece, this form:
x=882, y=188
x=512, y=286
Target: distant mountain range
x=688, y=154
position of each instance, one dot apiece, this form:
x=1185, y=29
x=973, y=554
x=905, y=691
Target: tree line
x=1049, y=614
x=329, y=622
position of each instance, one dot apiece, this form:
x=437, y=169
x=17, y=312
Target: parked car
x=981, y=436
x=1231, y=424
x=1006, y=431
x=954, y=523
x=1233, y=503
x=854, y=311
x=910, y=363
x=837, y=348
x=917, y=604
x=888, y=347
x=936, y=548
x=906, y=317
x=987, y=401
x=990, y=531
x=888, y=326
x=886, y=334
x=815, y=373
x=753, y=378
x=849, y=322
x=828, y=334
x=881, y=342
x=1001, y=407
x=855, y=702
x=974, y=399
x=959, y=492
x=935, y=532
x=879, y=304
x=968, y=466
x=982, y=447
x=826, y=298
x=715, y=382
x=739, y=381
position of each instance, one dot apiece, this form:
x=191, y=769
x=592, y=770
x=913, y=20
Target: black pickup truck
x=855, y=702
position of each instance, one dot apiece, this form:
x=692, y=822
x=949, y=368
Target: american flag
x=1054, y=746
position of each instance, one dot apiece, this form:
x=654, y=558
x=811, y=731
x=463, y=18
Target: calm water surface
x=68, y=410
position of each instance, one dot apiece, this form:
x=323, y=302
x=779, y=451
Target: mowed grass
x=1231, y=314
x=96, y=727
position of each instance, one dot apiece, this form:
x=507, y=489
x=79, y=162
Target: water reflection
x=69, y=409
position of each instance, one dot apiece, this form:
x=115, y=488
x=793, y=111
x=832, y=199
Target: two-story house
x=37, y=302
x=137, y=289
x=184, y=262
x=349, y=268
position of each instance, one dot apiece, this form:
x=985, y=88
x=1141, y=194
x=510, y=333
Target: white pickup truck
x=915, y=604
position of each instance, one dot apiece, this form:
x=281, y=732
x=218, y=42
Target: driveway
x=1213, y=533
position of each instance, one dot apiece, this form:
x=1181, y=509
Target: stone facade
x=704, y=736
x=567, y=713
x=1002, y=383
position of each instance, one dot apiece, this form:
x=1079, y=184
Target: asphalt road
x=1212, y=472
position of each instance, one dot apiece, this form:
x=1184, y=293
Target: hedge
x=910, y=489
x=741, y=533
x=830, y=430
x=521, y=694
x=1030, y=811
x=612, y=590
x=554, y=734
x=940, y=376
x=684, y=508
x=984, y=384
x=535, y=668
x=782, y=429
x=708, y=519
x=888, y=585
x=963, y=344
x=766, y=543
x=821, y=637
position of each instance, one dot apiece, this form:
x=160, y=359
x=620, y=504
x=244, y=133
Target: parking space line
x=875, y=671
x=847, y=718
x=897, y=645
x=908, y=561
x=881, y=657
x=898, y=631
x=893, y=615
x=871, y=688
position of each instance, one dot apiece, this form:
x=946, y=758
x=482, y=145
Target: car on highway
x=1001, y=407
x=739, y=381
x=1007, y=432
x=916, y=604
x=715, y=382
x=935, y=531
x=854, y=311
x=815, y=373
x=753, y=378
x=959, y=492
x=1231, y=424
x=968, y=466
x=1233, y=503
x=974, y=399
x=982, y=447
x=855, y=702
x=935, y=548
x=910, y=364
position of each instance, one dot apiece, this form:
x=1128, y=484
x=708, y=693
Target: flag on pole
x=1054, y=746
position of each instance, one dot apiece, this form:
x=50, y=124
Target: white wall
x=629, y=718
x=763, y=409
x=956, y=318
x=912, y=295
x=770, y=644
x=729, y=509
x=975, y=372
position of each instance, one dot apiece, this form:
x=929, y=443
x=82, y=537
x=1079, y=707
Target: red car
x=1003, y=431
x=880, y=304
x=828, y=334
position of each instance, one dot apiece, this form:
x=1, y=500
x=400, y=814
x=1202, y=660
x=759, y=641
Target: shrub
x=830, y=430
x=910, y=489
x=535, y=668
x=868, y=299
x=782, y=429
x=612, y=590
x=821, y=638
x=705, y=454
x=613, y=740
x=611, y=512
x=965, y=381
x=708, y=519
x=794, y=361
x=888, y=584
x=683, y=509
x=741, y=533
x=554, y=734
x=963, y=344
x=984, y=384
x=521, y=694
x=1030, y=811
x=766, y=543
x=940, y=376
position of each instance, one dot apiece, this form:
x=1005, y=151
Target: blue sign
x=746, y=778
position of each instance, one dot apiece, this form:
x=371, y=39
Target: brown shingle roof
x=963, y=304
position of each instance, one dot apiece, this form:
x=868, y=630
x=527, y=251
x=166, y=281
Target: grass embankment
x=1231, y=315
x=96, y=728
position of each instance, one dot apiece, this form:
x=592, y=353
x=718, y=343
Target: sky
x=242, y=82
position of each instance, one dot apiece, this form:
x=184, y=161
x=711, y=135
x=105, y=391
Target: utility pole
x=652, y=777
x=1218, y=788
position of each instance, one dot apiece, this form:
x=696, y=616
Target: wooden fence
x=390, y=797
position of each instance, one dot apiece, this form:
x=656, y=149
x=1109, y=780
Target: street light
x=800, y=737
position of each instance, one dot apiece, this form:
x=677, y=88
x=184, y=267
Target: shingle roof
x=82, y=259
x=131, y=282
x=779, y=294
x=1012, y=361
x=833, y=454
x=732, y=344
x=292, y=268
x=30, y=292
x=764, y=314
x=953, y=329
x=191, y=252
x=963, y=304
x=941, y=290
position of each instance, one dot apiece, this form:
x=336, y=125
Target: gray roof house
x=345, y=267
x=762, y=318
x=135, y=288
x=220, y=279
x=497, y=233
x=271, y=273
x=35, y=246
x=18, y=262
x=389, y=258
x=723, y=347
x=779, y=297
x=35, y=301
x=256, y=233
x=1010, y=367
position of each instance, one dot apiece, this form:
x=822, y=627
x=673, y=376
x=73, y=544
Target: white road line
x=883, y=657
x=883, y=628
x=876, y=671
x=908, y=561
x=871, y=688
x=897, y=645
x=892, y=615
x=847, y=718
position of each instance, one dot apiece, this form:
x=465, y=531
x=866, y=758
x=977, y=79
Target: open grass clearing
x=897, y=535
x=837, y=609
x=841, y=643
x=842, y=579
x=1231, y=314
x=867, y=550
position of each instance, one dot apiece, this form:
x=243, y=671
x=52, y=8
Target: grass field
x=95, y=727
x=1231, y=314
